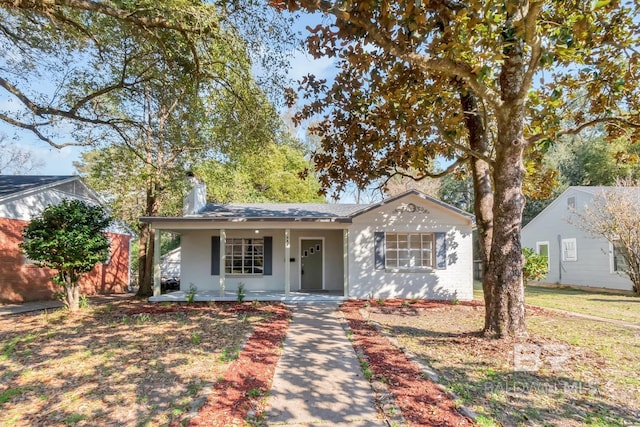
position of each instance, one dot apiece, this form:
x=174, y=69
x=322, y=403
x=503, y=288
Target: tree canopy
x=276, y=172
x=482, y=83
x=66, y=61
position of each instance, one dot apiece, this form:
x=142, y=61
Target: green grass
x=9, y=347
x=595, y=383
x=73, y=419
x=609, y=306
x=9, y=393
x=229, y=354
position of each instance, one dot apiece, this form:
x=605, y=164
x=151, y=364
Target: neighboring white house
x=575, y=256
x=407, y=246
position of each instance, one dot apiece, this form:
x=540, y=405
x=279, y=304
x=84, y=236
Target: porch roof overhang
x=178, y=224
x=208, y=220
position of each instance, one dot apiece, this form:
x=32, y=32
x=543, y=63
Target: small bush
x=535, y=266
x=191, y=295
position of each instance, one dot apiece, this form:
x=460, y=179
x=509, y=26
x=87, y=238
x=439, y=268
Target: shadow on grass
x=496, y=391
x=112, y=365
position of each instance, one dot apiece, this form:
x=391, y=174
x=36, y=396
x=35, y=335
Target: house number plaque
x=410, y=207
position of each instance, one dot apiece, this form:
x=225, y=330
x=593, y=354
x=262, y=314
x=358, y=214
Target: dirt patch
x=421, y=401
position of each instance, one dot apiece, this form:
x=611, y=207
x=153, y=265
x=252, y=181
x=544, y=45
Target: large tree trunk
x=145, y=262
x=482, y=187
x=506, y=313
x=147, y=247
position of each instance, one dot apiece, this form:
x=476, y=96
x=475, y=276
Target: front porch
x=308, y=262
x=290, y=298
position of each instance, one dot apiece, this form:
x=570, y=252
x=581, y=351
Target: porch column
x=157, y=274
x=345, y=261
x=287, y=262
x=223, y=247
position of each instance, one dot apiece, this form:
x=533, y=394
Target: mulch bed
x=230, y=402
x=421, y=401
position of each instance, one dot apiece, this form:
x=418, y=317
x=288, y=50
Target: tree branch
x=103, y=8
x=48, y=111
x=533, y=40
x=423, y=175
x=444, y=66
x=34, y=128
x=576, y=130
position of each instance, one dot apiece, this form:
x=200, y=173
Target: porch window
x=244, y=256
x=409, y=250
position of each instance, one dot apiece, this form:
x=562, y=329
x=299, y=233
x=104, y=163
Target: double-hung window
x=569, y=250
x=409, y=250
x=244, y=256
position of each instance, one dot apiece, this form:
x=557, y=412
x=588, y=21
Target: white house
x=576, y=257
x=407, y=246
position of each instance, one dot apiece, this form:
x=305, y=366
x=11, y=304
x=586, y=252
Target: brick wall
x=20, y=282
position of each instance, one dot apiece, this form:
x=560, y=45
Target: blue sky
x=60, y=162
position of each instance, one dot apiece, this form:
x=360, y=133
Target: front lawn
x=125, y=363
x=582, y=372
x=610, y=306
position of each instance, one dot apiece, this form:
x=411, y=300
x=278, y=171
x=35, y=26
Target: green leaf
x=601, y=3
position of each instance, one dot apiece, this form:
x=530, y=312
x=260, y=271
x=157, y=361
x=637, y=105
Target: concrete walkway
x=318, y=380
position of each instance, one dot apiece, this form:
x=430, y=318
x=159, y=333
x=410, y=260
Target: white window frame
x=414, y=257
x=244, y=244
x=612, y=260
x=565, y=256
x=543, y=243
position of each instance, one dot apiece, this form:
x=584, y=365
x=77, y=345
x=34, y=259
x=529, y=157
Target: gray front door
x=311, y=254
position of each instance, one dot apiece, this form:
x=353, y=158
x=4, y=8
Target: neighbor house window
x=409, y=250
x=244, y=256
x=619, y=261
x=569, y=250
x=571, y=202
x=542, y=248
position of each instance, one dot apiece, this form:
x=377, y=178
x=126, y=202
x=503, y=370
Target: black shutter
x=379, y=242
x=268, y=256
x=441, y=251
x=215, y=255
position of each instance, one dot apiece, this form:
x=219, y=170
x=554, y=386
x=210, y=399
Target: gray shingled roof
x=292, y=211
x=11, y=184
x=279, y=210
